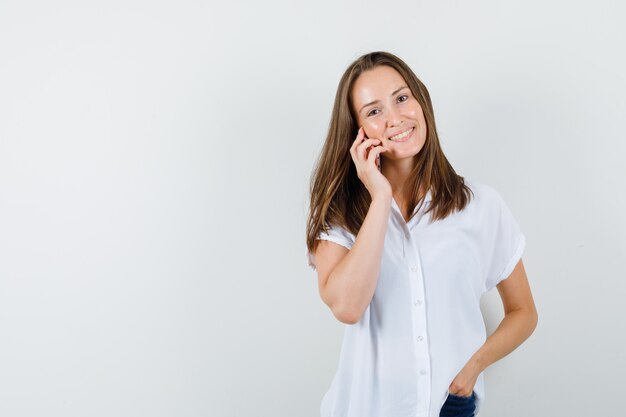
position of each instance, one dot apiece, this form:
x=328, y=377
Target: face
x=386, y=109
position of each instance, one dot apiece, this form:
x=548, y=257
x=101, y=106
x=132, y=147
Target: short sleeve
x=506, y=243
x=335, y=234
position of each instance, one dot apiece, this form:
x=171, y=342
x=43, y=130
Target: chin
x=402, y=153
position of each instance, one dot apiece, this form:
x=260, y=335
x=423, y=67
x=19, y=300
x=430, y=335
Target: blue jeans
x=458, y=406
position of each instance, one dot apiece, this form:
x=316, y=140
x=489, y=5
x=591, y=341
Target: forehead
x=376, y=84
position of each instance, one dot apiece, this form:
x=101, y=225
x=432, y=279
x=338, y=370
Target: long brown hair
x=337, y=194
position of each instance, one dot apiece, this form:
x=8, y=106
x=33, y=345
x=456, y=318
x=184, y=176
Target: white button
x=420, y=338
x=422, y=371
x=418, y=302
x=413, y=268
x=406, y=235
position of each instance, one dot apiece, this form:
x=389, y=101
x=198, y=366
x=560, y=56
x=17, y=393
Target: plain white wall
x=154, y=167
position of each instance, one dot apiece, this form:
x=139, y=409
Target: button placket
x=422, y=353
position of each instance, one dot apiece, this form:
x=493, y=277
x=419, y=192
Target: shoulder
x=484, y=196
x=480, y=188
x=338, y=234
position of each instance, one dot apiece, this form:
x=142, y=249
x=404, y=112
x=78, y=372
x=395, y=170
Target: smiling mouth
x=402, y=136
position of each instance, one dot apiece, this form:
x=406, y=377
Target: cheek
x=373, y=129
x=417, y=113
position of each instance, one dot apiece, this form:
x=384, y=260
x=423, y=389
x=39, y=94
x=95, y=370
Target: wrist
x=382, y=197
x=478, y=363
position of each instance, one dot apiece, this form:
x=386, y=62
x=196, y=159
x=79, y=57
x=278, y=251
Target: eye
x=370, y=113
x=405, y=98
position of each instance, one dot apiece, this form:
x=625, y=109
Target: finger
x=374, y=152
x=366, y=144
x=354, y=144
x=359, y=137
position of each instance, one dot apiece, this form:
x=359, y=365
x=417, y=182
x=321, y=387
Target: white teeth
x=401, y=135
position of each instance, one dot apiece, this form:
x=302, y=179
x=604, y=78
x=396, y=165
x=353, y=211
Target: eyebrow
x=377, y=101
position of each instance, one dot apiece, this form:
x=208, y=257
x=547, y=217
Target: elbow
x=347, y=318
x=532, y=318
x=341, y=310
x=346, y=315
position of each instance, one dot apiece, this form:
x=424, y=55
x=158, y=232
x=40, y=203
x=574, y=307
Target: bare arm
x=519, y=322
x=348, y=278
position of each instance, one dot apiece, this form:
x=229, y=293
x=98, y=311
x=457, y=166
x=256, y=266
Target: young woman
x=404, y=248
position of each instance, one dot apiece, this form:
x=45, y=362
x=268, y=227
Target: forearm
x=515, y=327
x=354, y=279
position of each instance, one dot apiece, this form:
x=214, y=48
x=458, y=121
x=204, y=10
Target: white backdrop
x=154, y=167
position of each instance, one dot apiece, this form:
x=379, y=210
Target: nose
x=394, y=118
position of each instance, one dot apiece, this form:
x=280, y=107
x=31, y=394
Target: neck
x=397, y=172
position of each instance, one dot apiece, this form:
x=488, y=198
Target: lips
x=402, y=136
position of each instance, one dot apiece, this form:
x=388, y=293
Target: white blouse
x=424, y=321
